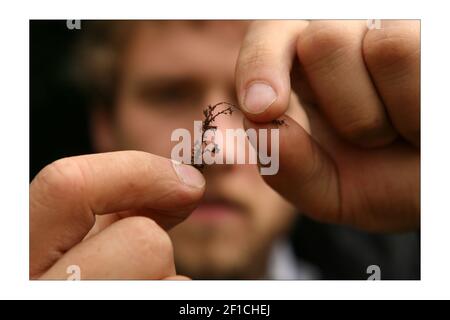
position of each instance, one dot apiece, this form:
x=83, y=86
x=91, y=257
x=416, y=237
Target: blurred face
x=170, y=72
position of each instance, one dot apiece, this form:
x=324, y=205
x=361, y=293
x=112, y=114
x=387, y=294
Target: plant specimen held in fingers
x=200, y=148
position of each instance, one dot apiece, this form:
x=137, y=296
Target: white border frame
x=14, y=169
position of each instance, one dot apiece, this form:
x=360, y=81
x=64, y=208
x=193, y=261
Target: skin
x=349, y=152
x=360, y=165
x=235, y=245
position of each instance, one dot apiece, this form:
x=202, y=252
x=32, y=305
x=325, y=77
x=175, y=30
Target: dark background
x=59, y=127
x=58, y=111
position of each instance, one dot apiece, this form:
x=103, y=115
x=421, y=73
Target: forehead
x=203, y=48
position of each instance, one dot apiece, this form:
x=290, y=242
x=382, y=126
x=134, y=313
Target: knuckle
x=324, y=43
x=62, y=177
x=387, y=47
x=366, y=130
x=61, y=185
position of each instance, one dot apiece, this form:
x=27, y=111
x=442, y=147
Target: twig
x=199, y=149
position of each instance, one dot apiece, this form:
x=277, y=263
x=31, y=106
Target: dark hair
x=95, y=66
x=97, y=59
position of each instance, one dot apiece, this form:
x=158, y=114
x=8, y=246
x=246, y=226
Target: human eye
x=172, y=93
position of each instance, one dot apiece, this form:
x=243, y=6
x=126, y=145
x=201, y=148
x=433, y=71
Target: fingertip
x=189, y=175
x=258, y=97
x=263, y=68
x=263, y=100
x=279, y=122
x=273, y=111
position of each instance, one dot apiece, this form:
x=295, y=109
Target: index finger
x=66, y=195
x=263, y=68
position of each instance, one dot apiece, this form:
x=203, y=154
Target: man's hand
x=360, y=90
x=137, y=194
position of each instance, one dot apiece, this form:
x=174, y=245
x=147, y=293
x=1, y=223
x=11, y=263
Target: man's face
x=170, y=72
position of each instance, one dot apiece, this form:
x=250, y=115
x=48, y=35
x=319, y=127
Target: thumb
x=307, y=176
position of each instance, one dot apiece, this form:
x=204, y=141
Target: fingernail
x=258, y=97
x=188, y=175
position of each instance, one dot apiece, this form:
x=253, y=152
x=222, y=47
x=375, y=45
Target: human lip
x=218, y=209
